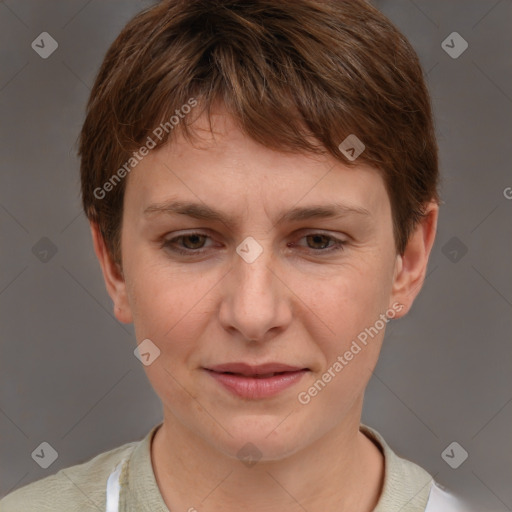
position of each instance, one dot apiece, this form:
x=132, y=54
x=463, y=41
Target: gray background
x=68, y=373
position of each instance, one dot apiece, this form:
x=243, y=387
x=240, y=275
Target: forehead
x=222, y=166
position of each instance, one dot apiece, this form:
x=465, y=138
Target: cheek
x=348, y=331
x=169, y=304
x=346, y=324
x=349, y=299
x=171, y=309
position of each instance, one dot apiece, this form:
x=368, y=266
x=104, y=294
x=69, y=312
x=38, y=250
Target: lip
x=251, y=370
x=246, y=381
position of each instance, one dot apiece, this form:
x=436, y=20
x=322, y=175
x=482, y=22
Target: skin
x=294, y=304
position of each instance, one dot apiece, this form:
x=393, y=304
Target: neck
x=343, y=471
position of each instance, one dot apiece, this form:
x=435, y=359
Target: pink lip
x=249, y=370
x=243, y=380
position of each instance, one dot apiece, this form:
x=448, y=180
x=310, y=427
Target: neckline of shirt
x=408, y=484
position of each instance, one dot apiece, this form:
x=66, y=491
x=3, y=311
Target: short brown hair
x=296, y=75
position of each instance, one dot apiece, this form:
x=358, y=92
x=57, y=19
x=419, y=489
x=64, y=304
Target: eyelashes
x=196, y=238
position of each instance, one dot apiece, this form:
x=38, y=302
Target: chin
x=264, y=440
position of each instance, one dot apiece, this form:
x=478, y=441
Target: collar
x=406, y=485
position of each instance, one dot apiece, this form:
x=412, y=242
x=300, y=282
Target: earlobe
x=113, y=277
x=411, y=266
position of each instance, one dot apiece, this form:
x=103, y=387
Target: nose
x=255, y=300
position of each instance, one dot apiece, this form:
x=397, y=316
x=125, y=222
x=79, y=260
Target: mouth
x=257, y=375
x=260, y=370
x=256, y=382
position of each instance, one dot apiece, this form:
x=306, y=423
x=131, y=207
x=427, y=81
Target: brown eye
x=196, y=241
x=190, y=244
x=319, y=241
x=321, y=244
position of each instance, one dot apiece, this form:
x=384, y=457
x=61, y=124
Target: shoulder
x=406, y=484
x=77, y=488
x=408, y=487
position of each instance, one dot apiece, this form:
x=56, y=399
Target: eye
x=319, y=243
x=191, y=244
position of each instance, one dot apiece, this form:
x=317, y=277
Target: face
x=270, y=278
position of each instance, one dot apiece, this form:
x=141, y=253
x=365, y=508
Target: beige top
x=83, y=487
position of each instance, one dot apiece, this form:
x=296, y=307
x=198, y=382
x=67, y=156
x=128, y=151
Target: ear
x=411, y=266
x=113, y=276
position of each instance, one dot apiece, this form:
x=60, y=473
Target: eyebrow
x=204, y=212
